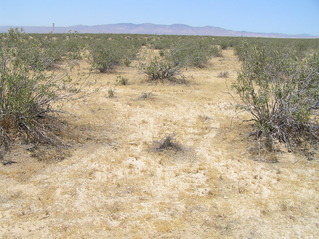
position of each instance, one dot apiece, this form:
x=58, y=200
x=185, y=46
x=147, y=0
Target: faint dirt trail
x=115, y=185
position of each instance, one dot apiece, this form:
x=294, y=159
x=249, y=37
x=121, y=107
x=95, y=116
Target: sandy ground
x=113, y=184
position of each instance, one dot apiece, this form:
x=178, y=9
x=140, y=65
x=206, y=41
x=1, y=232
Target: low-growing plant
x=111, y=93
x=127, y=62
x=145, y=95
x=227, y=42
x=223, y=74
x=161, y=69
x=168, y=143
x=281, y=92
x=162, y=53
x=224, y=45
x=121, y=80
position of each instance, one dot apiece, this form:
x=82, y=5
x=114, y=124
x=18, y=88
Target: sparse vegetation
x=208, y=181
x=277, y=85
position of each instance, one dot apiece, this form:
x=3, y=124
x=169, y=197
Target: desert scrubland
x=169, y=157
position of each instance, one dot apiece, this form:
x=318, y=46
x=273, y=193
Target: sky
x=263, y=16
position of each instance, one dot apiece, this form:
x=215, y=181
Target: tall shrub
x=281, y=92
x=26, y=92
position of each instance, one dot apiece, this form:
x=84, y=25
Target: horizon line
x=156, y=24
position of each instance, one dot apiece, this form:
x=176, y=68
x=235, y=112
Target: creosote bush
x=160, y=70
x=47, y=52
x=107, y=54
x=27, y=93
x=104, y=57
x=281, y=92
x=121, y=80
x=193, y=52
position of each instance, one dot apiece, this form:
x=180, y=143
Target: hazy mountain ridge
x=148, y=28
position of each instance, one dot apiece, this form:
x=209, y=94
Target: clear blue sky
x=266, y=16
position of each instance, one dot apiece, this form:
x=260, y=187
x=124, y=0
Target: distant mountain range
x=147, y=28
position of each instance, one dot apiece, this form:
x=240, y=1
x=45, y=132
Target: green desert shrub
x=162, y=42
x=227, y=42
x=121, y=80
x=111, y=93
x=193, y=52
x=107, y=54
x=160, y=69
x=48, y=51
x=73, y=47
x=281, y=93
x=105, y=57
x=26, y=93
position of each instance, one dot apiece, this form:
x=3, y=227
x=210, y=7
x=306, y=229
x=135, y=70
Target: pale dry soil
x=113, y=184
